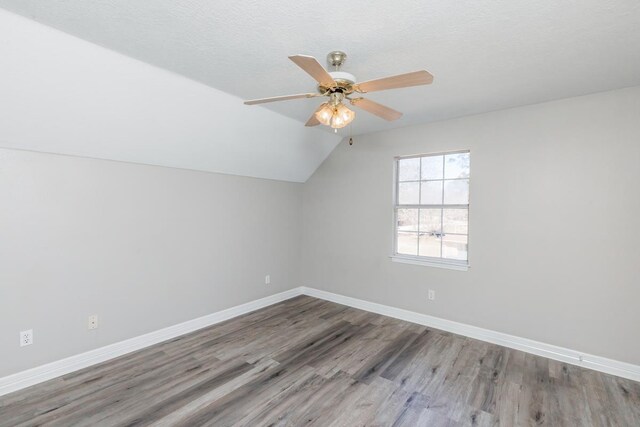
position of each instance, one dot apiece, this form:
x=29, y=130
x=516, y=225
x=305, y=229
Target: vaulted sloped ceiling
x=60, y=94
x=485, y=54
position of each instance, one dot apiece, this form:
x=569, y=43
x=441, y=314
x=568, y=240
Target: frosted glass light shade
x=335, y=116
x=325, y=114
x=342, y=117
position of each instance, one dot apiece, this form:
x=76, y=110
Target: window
x=432, y=209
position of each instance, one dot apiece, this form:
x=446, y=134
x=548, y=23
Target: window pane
x=407, y=219
x=456, y=192
x=456, y=165
x=431, y=193
x=429, y=246
x=454, y=247
x=455, y=221
x=407, y=243
x=432, y=167
x=409, y=169
x=408, y=193
x=430, y=220
x=436, y=231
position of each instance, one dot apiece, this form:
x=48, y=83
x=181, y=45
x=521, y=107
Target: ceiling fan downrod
x=336, y=59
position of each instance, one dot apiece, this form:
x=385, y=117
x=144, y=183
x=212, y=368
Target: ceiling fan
x=340, y=86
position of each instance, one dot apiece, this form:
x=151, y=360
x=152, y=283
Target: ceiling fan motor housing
x=344, y=83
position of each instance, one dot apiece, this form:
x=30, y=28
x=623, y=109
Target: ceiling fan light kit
x=339, y=85
x=334, y=113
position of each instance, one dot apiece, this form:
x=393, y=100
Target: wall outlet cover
x=93, y=322
x=26, y=337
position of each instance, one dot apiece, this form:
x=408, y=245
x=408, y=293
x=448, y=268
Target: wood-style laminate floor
x=310, y=362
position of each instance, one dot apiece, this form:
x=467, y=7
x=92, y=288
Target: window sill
x=430, y=263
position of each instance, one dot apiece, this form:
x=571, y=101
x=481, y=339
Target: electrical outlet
x=431, y=295
x=267, y=279
x=26, y=337
x=93, y=322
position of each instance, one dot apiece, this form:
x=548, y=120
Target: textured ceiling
x=61, y=94
x=485, y=54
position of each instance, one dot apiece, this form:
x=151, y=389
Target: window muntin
x=432, y=207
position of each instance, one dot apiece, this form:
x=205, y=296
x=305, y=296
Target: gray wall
x=554, y=223
x=144, y=247
x=554, y=235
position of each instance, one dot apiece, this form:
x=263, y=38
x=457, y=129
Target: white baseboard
x=597, y=363
x=55, y=369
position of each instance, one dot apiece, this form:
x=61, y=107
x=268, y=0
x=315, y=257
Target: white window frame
x=451, y=264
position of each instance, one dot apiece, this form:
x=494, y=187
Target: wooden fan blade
x=312, y=67
x=281, y=98
x=377, y=109
x=313, y=121
x=415, y=78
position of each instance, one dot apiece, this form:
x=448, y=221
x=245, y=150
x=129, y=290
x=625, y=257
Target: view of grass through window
x=432, y=206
